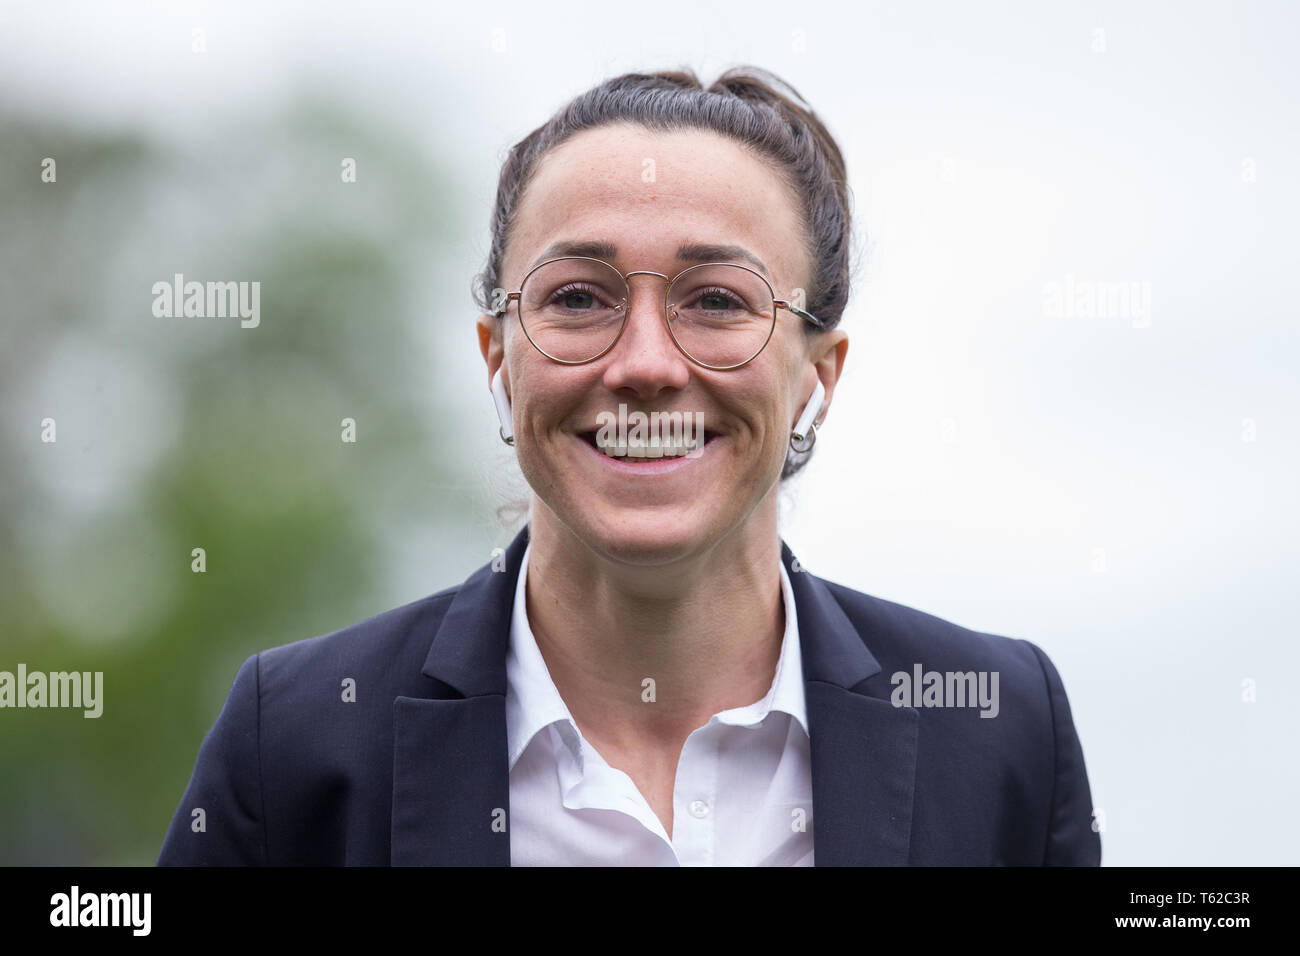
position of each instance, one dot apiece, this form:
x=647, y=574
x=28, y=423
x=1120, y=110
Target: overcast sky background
x=1118, y=489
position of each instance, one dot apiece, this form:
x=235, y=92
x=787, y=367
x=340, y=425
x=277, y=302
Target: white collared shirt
x=742, y=795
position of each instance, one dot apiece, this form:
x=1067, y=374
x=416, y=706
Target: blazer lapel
x=451, y=790
x=863, y=748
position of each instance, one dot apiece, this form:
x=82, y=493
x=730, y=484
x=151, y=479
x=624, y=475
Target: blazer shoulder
x=376, y=650
x=904, y=639
x=896, y=633
x=298, y=767
x=1031, y=753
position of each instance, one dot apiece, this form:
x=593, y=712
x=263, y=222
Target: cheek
x=767, y=439
x=542, y=466
x=529, y=383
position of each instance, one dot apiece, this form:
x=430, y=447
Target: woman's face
x=646, y=194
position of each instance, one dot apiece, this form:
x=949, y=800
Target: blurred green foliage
x=177, y=433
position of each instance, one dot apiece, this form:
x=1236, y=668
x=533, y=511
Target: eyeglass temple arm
x=807, y=316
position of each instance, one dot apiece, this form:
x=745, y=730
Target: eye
x=574, y=296
x=718, y=300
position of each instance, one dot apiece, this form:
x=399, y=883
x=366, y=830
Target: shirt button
x=699, y=808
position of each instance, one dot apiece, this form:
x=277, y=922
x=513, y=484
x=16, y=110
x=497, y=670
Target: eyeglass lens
x=573, y=310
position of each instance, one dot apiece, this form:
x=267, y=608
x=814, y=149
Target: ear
x=828, y=352
x=490, y=343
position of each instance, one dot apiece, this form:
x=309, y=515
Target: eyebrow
x=691, y=252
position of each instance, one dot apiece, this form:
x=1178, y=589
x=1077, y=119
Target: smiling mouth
x=646, y=450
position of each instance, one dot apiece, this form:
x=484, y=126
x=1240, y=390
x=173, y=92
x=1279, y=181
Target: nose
x=646, y=359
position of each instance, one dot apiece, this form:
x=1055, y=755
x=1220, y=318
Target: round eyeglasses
x=721, y=315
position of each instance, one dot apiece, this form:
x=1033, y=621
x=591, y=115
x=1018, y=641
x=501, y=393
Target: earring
x=507, y=430
x=804, y=435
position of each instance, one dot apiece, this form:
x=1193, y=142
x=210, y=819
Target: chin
x=649, y=536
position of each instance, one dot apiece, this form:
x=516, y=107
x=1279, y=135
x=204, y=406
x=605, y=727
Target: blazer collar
x=450, y=778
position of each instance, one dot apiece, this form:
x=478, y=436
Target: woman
x=647, y=675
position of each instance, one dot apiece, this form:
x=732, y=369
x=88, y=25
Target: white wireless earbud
x=503, y=409
x=805, y=425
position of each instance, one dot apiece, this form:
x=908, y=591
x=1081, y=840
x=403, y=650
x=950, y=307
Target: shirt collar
x=533, y=703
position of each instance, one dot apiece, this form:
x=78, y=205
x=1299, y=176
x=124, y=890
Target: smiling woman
x=647, y=675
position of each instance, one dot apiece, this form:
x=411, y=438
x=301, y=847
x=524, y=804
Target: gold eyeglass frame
x=776, y=303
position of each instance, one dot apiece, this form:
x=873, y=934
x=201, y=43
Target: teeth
x=656, y=447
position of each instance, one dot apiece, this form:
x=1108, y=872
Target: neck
x=706, y=628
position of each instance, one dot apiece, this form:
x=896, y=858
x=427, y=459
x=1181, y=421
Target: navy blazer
x=413, y=771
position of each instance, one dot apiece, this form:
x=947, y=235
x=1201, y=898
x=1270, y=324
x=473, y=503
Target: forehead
x=647, y=193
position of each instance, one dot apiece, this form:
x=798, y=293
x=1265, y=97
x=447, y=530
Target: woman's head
x=647, y=166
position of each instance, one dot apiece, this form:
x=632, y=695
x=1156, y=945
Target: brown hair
x=748, y=104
